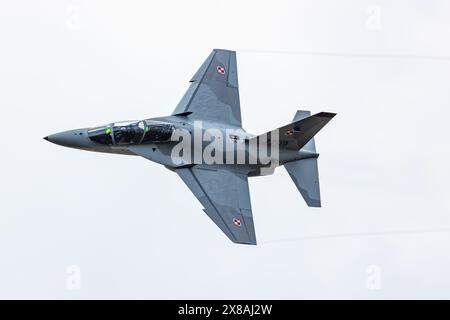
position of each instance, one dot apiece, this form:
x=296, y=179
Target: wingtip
x=251, y=242
x=224, y=50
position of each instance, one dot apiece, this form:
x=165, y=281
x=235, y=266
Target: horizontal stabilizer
x=305, y=174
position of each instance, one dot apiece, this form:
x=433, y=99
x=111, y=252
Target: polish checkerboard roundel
x=220, y=69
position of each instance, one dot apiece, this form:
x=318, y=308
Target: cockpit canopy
x=131, y=132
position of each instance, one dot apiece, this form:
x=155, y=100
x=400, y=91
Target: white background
x=134, y=228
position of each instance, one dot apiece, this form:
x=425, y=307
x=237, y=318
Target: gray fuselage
x=177, y=141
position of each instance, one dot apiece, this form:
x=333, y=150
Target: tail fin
x=300, y=115
x=297, y=134
x=305, y=172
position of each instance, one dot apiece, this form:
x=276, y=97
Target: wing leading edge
x=214, y=91
x=224, y=194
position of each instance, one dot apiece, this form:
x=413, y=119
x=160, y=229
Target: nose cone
x=73, y=139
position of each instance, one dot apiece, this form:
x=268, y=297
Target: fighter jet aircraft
x=204, y=143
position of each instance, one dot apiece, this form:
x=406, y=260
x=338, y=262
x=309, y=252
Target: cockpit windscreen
x=131, y=132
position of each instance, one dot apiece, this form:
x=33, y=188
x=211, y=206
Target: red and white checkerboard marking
x=237, y=222
x=220, y=69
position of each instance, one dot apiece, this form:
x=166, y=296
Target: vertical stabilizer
x=302, y=114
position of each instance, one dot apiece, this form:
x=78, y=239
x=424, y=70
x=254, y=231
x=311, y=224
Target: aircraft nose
x=72, y=138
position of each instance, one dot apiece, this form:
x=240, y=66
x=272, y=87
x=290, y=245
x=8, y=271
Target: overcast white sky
x=135, y=230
